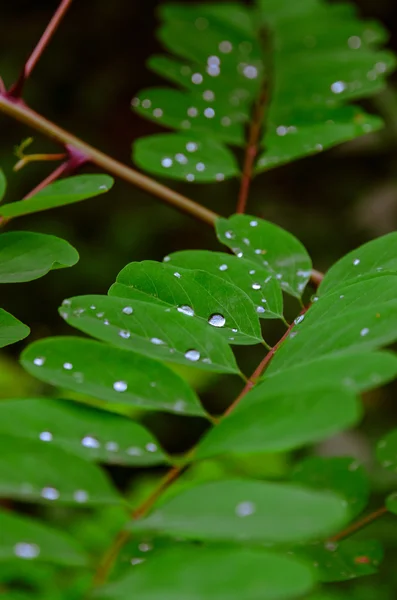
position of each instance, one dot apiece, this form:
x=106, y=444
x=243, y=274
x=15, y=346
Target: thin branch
x=360, y=524
x=173, y=474
x=16, y=90
x=58, y=172
x=19, y=111
x=29, y=158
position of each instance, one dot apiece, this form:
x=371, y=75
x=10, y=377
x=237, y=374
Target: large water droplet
x=356, y=262
x=217, y=320
x=90, y=442
x=364, y=331
x=124, y=333
x=193, y=355
x=50, y=493
x=128, y=310
x=256, y=286
x=26, y=550
x=151, y=447
x=186, y=310
x=68, y=366
x=120, y=386
x=338, y=87
x=45, y=436
x=245, y=509
x=229, y=235
x=39, y=361
x=223, y=268
x=157, y=341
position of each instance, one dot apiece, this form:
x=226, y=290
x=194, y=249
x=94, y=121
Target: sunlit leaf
x=152, y=330
x=110, y=374
x=266, y=244
x=87, y=432
x=24, y=539
x=243, y=510
x=283, y=422
x=11, y=330
x=336, y=474
x=34, y=471
x=256, y=281
x=213, y=573
x=190, y=157
x=25, y=255
x=196, y=294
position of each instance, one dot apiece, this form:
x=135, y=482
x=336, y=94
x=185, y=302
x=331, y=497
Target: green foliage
x=3, y=185
x=226, y=57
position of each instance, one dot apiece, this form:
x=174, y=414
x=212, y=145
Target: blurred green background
x=332, y=202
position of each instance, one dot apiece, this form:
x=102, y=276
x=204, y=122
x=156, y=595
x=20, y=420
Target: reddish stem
x=316, y=278
x=16, y=90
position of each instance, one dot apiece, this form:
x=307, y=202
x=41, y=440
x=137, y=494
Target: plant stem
x=19, y=111
x=16, y=90
x=360, y=524
x=174, y=473
x=316, y=278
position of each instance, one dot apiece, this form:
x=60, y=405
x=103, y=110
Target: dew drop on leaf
x=193, y=355
x=217, y=320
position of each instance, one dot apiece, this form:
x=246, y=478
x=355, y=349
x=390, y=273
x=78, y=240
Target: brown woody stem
x=360, y=524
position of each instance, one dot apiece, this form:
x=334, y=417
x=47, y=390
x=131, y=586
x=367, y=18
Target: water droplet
x=226, y=121
x=145, y=547
x=192, y=111
x=167, y=162
x=157, y=113
x=157, y=341
x=356, y=262
x=245, y=509
x=120, y=386
x=341, y=296
x=181, y=158
x=219, y=176
x=166, y=258
x=92, y=307
x=151, y=447
x=299, y=319
x=66, y=302
x=209, y=113
x=39, y=361
x=331, y=546
x=137, y=561
x=364, y=331
x=190, y=177
x=209, y=95
x=179, y=406
x=80, y=496
x=135, y=102
x=128, y=310
x=223, y=268
x=186, y=310
x=146, y=103
x=354, y=42
x=225, y=47
x=90, y=442
x=100, y=315
x=250, y=72
x=45, y=436
x=50, y=493
x=68, y=366
x=106, y=322
x=197, y=78
x=200, y=166
x=134, y=451
x=193, y=355
x=217, y=320
x=112, y=446
x=282, y=130
x=177, y=275
x=256, y=286
x=338, y=87
x=254, y=223
x=26, y=550
x=240, y=254
x=191, y=147
x=124, y=333
x=260, y=309
x=229, y=235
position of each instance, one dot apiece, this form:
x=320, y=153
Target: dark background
x=84, y=82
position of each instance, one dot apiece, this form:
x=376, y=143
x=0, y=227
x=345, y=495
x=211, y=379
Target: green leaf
x=151, y=330
x=11, y=330
x=33, y=471
x=25, y=256
x=362, y=330
x=3, y=185
x=297, y=136
x=386, y=451
x=242, y=273
x=336, y=474
x=190, y=157
x=268, y=245
x=283, y=422
x=243, y=510
x=344, y=561
x=23, y=539
x=60, y=193
x=371, y=258
x=93, y=434
x=111, y=374
x=213, y=573
x=196, y=294
x=391, y=503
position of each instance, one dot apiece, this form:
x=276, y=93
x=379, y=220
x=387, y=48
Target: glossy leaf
x=362, y=330
x=111, y=374
x=195, y=293
x=243, y=510
x=11, y=330
x=371, y=258
x=387, y=450
x=34, y=471
x=344, y=561
x=244, y=274
x=213, y=573
x=152, y=330
x=336, y=474
x=92, y=434
x=3, y=185
x=24, y=539
x=25, y=256
x=391, y=503
x=268, y=245
x=66, y=191
x=189, y=157
x=283, y=422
